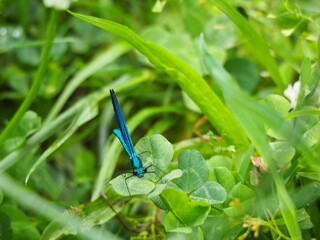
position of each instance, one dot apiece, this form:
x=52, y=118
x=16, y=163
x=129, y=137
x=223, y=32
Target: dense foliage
x=224, y=95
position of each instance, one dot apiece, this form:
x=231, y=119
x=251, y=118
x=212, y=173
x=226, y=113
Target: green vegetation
x=223, y=95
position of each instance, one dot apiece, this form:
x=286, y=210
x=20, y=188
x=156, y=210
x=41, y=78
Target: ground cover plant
x=222, y=97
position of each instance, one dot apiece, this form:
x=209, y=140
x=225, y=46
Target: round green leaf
x=157, y=199
x=155, y=150
x=190, y=213
x=195, y=170
x=136, y=185
x=245, y=72
x=162, y=184
x=312, y=136
x=278, y=103
x=307, y=122
x=240, y=209
x=282, y=153
x=223, y=176
x=195, y=213
x=211, y=192
x=242, y=192
x=172, y=224
x=174, y=200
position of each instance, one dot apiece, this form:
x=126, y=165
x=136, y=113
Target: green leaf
x=98, y=212
x=240, y=209
x=112, y=149
x=308, y=193
x=175, y=201
x=245, y=73
x=200, y=234
x=188, y=79
x=243, y=170
x=157, y=199
x=241, y=192
x=312, y=136
x=158, y=6
x=305, y=112
x=14, y=213
x=219, y=161
x=211, y=192
x=187, y=101
x=282, y=153
x=54, y=230
x=310, y=175
x=303, y=219
x=314, y=82
x=190, y=213
x=24, y=230
x=223, y=176
x=305, y=78
x=136, y=185
x=306, y=122
x=243, y=200
x=195, y=213
x=163, y=183
x=195, y=170
x=156, y=150
x=221, y=227
x=172, y=224
x=278, y=103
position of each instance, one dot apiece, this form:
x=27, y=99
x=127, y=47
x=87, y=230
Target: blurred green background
x=60, y=144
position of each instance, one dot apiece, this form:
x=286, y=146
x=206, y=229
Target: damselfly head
x=139, y=172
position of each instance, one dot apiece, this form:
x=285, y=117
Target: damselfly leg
x=125, y=180
x=152, y=165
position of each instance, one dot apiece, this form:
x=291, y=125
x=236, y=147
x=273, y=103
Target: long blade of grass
x=43, y=207
x=244, y=167
x=309, y=112
x=253, y=116
x=37, y=80
x=256, y=43
x=188, y=79
x=87, y=113
x=27, y=44
x=66, y=117
x=106, y=57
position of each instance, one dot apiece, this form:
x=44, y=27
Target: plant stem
x=37, y=80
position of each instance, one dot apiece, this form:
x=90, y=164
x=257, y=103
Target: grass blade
x=188, y=79
x=253, y=116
